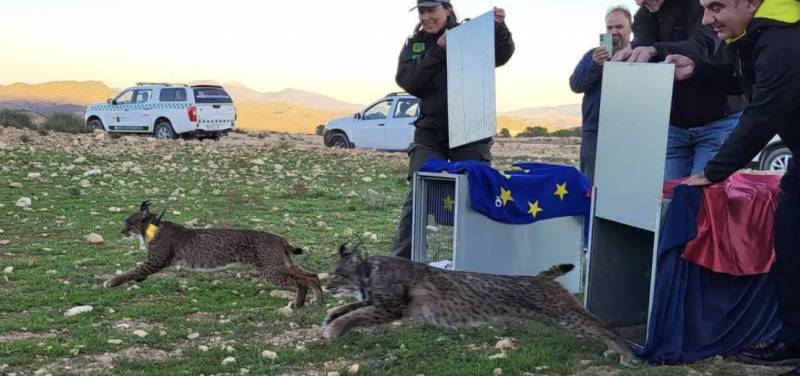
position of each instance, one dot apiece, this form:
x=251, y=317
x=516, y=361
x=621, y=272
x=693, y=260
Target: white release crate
x=446, y=228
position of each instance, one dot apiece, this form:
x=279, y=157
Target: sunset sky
x=345, y=49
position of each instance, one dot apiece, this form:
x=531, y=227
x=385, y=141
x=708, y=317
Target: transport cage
x=445, y=228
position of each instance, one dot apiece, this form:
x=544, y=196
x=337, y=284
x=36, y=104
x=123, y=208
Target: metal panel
x=632, y=142
x=470, y=81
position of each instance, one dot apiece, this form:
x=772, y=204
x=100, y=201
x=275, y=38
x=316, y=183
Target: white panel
x=632, y=142
x=470, y=81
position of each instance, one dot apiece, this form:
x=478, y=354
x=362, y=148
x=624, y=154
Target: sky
x=346, y=49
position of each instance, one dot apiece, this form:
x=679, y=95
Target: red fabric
x=735, y=225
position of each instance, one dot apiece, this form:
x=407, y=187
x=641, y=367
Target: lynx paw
x=330, y=333
x=111, y=283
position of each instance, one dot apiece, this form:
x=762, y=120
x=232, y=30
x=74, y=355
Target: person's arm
x=415, y=71
x=644, y=32
x=586, y=74
x=776, y=93
x=701, y=45
x=503, y=44
x=717, y=74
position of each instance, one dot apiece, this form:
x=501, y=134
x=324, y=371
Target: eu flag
x=527, y=193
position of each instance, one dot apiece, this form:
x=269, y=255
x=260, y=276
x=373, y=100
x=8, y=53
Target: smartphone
x=608, y=43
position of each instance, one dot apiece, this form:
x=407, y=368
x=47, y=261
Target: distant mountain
x=287, y=110
x=43, y=108
x=243, y=94
x=80, y=93
x=552, y=118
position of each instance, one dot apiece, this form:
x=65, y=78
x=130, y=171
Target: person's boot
x=777, y=353
x=794, y=372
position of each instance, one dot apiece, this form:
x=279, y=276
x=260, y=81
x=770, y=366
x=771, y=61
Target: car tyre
x=164, y=131
x=776, y=159
x=96, y=124
x=339, y=140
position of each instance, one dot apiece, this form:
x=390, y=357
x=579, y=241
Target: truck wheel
x=164, y=131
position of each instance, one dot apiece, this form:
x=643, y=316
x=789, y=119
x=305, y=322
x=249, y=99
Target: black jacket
x=676, y=29
x=764, y=65
x=422, y=72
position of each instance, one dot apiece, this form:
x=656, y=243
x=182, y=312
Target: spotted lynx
x=390, y=289
x=170, y=244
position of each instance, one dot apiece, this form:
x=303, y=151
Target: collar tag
x=151, y=232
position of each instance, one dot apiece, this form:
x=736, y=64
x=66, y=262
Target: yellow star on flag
x=448, y=203
x=505, y=196
x=561, y=191
x=534, y=209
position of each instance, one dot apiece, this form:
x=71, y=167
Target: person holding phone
x=588, y=78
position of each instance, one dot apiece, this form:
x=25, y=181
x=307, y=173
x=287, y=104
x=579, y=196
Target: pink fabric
x=735, y=225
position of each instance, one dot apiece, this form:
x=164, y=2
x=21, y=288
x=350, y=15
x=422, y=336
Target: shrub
x=16, y=119
x=533, y=132
x=320, y=129
x=504, y=133
x=67, y=123
x=571, y=132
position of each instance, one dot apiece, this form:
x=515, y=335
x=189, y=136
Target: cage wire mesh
x=440, y=205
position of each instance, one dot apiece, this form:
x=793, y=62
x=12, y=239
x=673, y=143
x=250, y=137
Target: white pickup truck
x=166, y=111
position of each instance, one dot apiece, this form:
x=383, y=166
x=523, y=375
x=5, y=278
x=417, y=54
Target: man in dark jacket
x=588, y=79
x=422, y=71
x=701, y=118
x=763, y=48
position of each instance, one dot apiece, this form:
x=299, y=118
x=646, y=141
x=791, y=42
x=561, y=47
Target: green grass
x=55, y=269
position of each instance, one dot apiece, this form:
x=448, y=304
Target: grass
x=282, y=191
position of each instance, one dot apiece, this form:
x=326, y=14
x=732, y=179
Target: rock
x=115, y=341
x=285, y=311
x=366, y=179
x=269, y=354
x=114, y=209
x=79, y=310
x=140, y=333
x=498, y=356
x=84, y=183
x=14, y=184
x=79, y=160
x=497, y=372
x=203, y=348
x=228, y=360
x=193, y=335
x=334, y=373
x=127, y=164
x=353, y=370
x=507, y=344
x=5, y=242
x=8, y=270
x=94, y=239
x=24, y=202
x=281, y=294
x=93, y=172
x=34, y=175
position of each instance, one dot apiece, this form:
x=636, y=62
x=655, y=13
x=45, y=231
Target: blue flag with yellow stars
x=527, y=193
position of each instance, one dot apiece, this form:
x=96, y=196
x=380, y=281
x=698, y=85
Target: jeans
x=419, y=154
x=588, y=153
x=688, y=150
x=785, y=273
